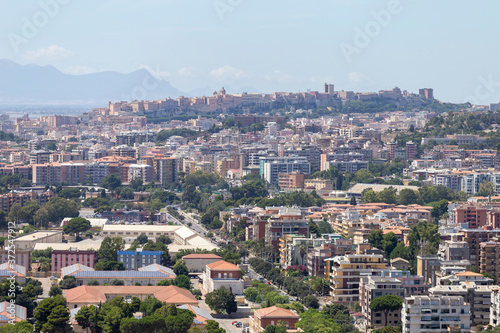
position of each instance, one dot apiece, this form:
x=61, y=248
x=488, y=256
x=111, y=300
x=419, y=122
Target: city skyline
x=266, y=47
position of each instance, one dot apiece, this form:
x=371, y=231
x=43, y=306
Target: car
x=234, y=322
x=268, y=282
x=238, y=324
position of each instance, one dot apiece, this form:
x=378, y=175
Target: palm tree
x=302, y=252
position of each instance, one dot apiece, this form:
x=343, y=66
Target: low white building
x=426, y=314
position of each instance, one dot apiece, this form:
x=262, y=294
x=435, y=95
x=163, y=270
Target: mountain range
x=34, y=84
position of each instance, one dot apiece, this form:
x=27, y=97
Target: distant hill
x=33, y=84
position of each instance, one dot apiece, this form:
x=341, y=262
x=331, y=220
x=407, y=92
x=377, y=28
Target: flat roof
x=37, y=235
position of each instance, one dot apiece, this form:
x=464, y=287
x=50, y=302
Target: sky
x=452, y=46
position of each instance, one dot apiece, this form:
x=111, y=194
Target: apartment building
x=136, y=259
x=490, y=258
x=65, y=258
x=291, y=181
x=223, y=274
x=284, y=221
x=374, y=287
x=429, y=314
x=474, y=237
x=345, y=272
x=316, y=263
x=272, y=166
x=427, y=266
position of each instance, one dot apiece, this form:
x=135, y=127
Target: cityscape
x=222, y=195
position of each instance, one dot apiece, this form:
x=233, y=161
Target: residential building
x=490, y=258
x=22, y=258
x=345, y=272
x=10, y=270
x=272, y=316
x=291, y=181
x=223, y=274
x=136, y=259
x=429, y=314
x=427, y=266
x=196, y=262
x=316, y=263
x=64, y=258
x=284, y=221
x=272, y=166
x=474, y=237
x=372, y=287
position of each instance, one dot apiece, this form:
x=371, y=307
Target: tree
x=77, y=225
x=385, y=304
x=55, y=290
x=116, y=282
x=41, y=218
x=68, y=282
x=213, y=327
x=15, y=213
x=89, y=317
x=302, y=252
x=311, y=302
x=109, y=248
x=387, y=195
x=389, y=242
x=111, y=182
x=486, y=189
x=52, y=315
x=20, y=327
x=180, y=268
x=275, y=329
x=408, y=197
x=222, y=300
x=353, y=201
x=109, y=266
x=142, y=239
x=59, y=208
x=93, y=282
x=368, y=195
x=375, y=238
x=150, y=305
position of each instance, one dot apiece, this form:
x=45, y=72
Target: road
x=226, y=323
x=197, y=226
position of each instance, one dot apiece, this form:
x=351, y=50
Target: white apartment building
x=426, y=314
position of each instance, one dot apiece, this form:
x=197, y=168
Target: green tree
x=387, y=195
x=312, y=321
x=486, y=189
x=52, y=315
x=222, y=300
x=389, y=243
x=109, y=248
x=59, y=208
x=376, y=238
x=386, y=304
x=111, y=182
x=142, y=239
x=20, y=327
x=408, y=197
x=68, y=282
x=368, y=195
x=311, y=302
x=89, y=317
x=55, y=290
x=150, y=305
x=180, y=268
x=77, y=225
x=275, y=329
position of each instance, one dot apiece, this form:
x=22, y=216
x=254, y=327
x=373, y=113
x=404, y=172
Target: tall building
x=271, y=167
x=284, y=221
x=329, y=89
x=427, y=266
x=373, y=287
x=165, y=170
x=411, y=150
x=345, y=272
x=428, y=314
x=490, y=258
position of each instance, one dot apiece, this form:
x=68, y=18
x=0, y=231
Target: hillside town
x=330, y=211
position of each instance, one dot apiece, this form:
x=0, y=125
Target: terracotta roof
x=223, y=266
x=468, y=273
x=96, y=294
x=202, y=256
x=276, y=312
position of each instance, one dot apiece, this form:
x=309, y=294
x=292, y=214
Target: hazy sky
x=452, y=46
